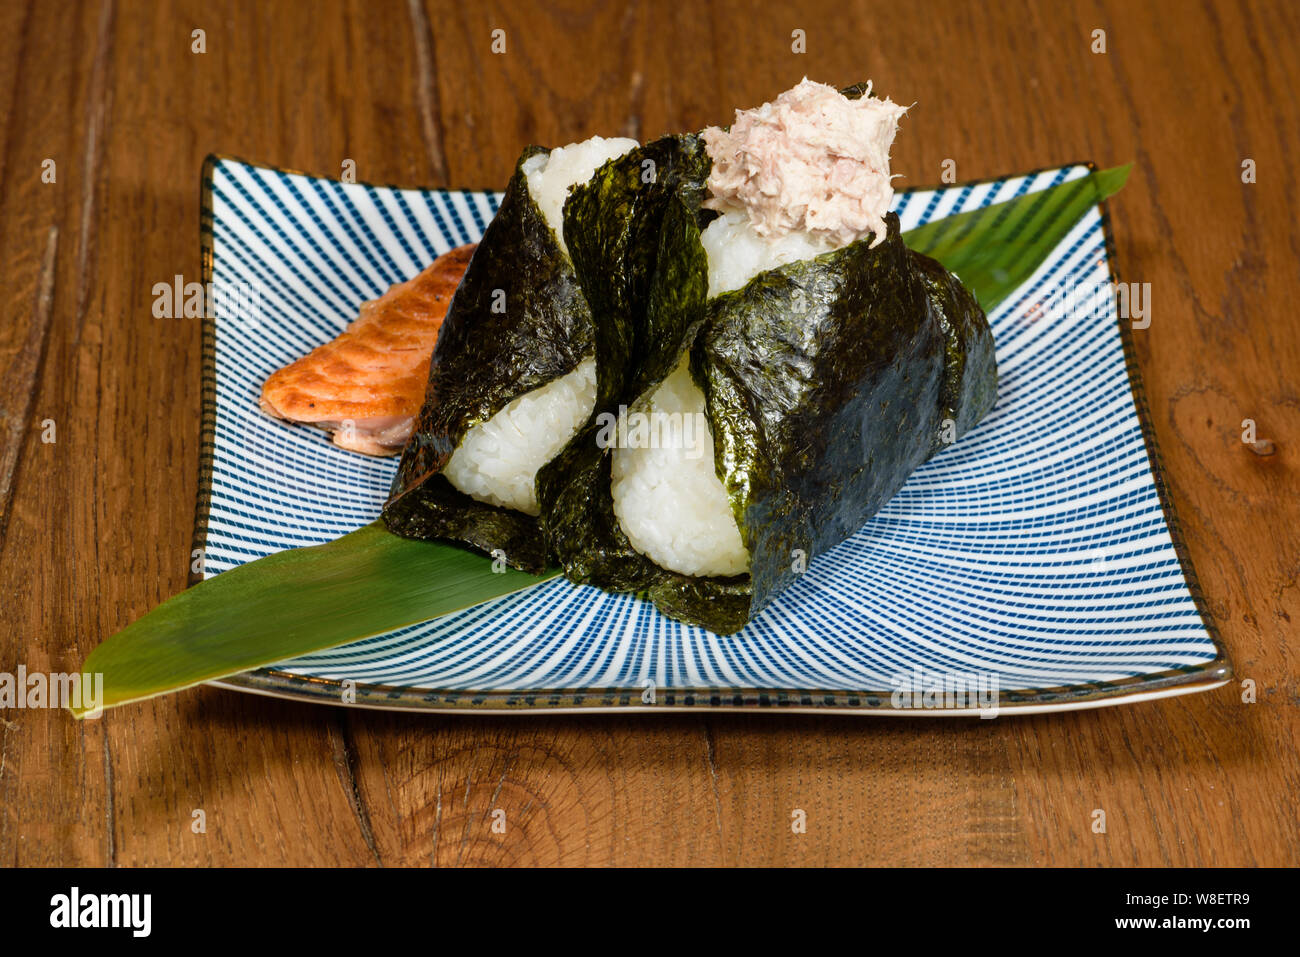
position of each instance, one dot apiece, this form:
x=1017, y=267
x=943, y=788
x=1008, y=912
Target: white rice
x=551, y=175
x=497, y=460
x=737, y=253
x=669, y=500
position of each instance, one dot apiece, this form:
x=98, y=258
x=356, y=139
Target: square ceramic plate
x=1035, y=565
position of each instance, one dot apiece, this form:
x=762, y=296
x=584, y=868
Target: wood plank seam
x=23, y=379
x=427, y=86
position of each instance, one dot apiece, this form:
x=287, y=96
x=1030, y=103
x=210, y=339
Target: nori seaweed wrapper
x=820, y=416
x=615, y=224
x=826, y=382
x=635, y=245
x=483, y=360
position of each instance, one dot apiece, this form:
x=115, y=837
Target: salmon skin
x=367, y=385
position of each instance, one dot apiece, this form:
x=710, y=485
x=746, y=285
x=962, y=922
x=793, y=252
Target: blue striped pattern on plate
x=1034, y=553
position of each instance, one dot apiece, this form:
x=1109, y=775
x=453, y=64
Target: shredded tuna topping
x=810, y=161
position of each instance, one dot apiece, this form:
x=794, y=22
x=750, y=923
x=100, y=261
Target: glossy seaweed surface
x=518, y=321
x=826, y=381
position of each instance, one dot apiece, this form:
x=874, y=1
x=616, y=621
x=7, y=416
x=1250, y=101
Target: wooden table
x=96, y=525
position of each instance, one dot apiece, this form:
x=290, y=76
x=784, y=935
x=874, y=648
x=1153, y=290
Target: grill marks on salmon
x=367, y=385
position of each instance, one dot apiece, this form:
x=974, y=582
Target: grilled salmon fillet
x=367, y=385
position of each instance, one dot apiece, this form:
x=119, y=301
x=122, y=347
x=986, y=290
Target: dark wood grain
x=96, y=526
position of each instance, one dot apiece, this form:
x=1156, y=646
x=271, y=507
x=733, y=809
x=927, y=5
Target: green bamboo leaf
x=292, y=603
x=995, y=249
x=370, y=581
